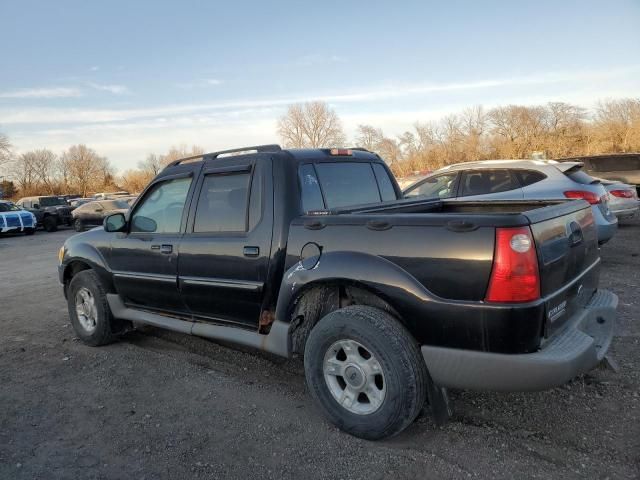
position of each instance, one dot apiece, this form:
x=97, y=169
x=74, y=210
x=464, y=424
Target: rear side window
x=387, y=192
x=222, y=205
x=345, y=184
x=529, y=177
x=483, y=182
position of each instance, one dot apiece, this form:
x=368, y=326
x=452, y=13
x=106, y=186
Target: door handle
x=163, y=248
x=251, y=251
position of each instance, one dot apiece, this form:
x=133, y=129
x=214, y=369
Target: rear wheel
x=365, y=371
x=78, y=225
x=88, y=309
x=50, y=224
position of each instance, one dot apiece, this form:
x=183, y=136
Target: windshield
x=8, y=207
x=52, y=201
x=115, y=205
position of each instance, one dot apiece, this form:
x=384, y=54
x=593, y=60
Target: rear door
x=489, y=184
x=145, y=259
x=224, y=255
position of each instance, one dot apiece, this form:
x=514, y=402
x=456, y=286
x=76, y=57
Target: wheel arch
x=340, y=279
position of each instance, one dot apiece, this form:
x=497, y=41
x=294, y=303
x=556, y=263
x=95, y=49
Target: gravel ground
x=163, y=405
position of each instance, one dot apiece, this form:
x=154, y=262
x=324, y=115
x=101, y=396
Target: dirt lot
x=163, y=405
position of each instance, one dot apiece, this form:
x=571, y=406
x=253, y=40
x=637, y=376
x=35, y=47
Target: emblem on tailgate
x=557, y=311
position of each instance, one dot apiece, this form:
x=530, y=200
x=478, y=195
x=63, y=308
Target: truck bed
x=448, y=247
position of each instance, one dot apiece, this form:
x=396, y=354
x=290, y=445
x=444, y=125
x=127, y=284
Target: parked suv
x=519, y=180
x=50, y=212
x=389, y=303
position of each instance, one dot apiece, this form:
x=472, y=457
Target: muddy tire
x=365, y=371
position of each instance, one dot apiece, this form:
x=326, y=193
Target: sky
x=128, y=78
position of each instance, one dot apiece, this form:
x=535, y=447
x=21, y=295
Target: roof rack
x=208, y=156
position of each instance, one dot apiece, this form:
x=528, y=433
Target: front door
x=224, y=255
x=145, y=258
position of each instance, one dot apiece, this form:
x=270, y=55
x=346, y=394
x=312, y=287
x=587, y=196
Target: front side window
x=439, y=186
x=161, y=209
x=222, y=205
x=483, y=182
x=8, y=207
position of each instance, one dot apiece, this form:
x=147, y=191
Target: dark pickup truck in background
x=50, y=211
x=315, y=253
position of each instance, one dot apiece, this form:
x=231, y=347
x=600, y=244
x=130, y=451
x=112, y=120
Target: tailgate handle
x=461, y=226
x=575, y=237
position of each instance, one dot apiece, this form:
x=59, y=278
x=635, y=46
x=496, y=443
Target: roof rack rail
x=256, y=148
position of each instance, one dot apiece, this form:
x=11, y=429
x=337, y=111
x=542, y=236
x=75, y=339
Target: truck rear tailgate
x=568, y=260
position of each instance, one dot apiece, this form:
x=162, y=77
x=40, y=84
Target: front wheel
x=365, y=371
x=50, y=224
x=88, y=309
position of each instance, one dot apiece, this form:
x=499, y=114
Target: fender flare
x=90, y=256
x=380, y=276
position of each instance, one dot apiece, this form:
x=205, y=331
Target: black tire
x=398, y=354
x=29, y=231
x=78, y=225
x=102, y=334
x=50, y=224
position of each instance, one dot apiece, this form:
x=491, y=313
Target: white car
x=520, y=180
x=623, y=199
x=15, y=220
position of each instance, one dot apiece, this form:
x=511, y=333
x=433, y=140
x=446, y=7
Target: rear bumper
x=572, y=351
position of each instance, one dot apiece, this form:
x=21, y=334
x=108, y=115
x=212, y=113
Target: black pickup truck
x=315, y=253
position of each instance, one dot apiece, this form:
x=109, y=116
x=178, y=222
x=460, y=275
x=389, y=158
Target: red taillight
x=341, y=152
x=590, y=197
x=515, y=276
x=622, y=193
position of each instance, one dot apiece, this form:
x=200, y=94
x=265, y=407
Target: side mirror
x=115, y=223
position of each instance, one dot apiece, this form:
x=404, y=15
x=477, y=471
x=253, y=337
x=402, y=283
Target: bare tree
x=311, y=125
x=369, y=137
x=87, y=171
x=151, y=165
x=5, y=149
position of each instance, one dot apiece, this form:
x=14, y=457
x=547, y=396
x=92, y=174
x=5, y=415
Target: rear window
x=387, y=192
x=578, y=176
x=334, y=185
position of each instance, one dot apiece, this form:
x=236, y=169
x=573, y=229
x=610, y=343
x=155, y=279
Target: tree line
x=78, y=170
x=556, y=129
